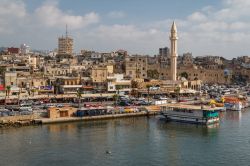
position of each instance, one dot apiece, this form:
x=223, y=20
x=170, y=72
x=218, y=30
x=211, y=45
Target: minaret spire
x=174, y=54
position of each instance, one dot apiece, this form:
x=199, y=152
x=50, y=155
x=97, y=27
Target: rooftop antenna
x=66, y=30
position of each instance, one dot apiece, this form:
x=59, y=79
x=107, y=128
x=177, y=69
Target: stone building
x=136, y=66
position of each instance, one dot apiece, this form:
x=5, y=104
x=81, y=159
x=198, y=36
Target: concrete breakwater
x=17, y=121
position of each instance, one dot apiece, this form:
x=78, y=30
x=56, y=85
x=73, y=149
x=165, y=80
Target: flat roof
x=192, y=107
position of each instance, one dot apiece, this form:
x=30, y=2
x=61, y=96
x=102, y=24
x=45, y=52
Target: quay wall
x=88, y=118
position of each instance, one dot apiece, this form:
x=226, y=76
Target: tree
x=33, y=92
x=2, y=70
x=154, y=74
x=177, y=91
x=148, y=89
x=115, y=98
x=8, y=91
x=118, y=88
x=134, y=86
x=79, y=96
x=184, y=74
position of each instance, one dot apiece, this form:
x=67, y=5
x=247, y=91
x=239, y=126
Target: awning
x=2, y=88
x=87, y=87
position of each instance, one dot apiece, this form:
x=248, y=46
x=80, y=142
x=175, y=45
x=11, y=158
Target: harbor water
x=129, y=141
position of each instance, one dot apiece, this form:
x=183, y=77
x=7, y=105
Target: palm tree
x=33, y=92
x=115, y=98
x=118, y=88
x=79, y=96
x=8, y=90
x=177, y=91
x=7, y=94
x=18, y=102
x=134, y=86
x=148, y=88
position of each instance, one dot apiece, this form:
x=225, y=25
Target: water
x=132, y=141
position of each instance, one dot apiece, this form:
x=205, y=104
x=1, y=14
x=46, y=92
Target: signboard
x=45, y=87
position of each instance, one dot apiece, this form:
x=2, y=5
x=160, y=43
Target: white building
x=25, y=49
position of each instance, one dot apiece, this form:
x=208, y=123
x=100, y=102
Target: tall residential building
x=164, y=52
x=24, y=48
x=65, y=44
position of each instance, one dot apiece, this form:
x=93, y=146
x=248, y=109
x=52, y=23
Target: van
x=25, y=109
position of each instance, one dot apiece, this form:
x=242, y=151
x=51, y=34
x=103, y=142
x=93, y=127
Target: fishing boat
x=191, y=113
x=235, y=103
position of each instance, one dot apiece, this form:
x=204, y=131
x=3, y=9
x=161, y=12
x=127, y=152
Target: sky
x=205, y=27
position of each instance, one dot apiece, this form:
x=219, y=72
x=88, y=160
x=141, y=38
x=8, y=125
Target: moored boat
x=191, y=113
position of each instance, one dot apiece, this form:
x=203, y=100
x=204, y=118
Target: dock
x=89, y=118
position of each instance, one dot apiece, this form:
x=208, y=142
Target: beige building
x=99, y=74
x=65, y=45
x=55, y=112
x=10, y=79
x=116, y=82
x=136, y=66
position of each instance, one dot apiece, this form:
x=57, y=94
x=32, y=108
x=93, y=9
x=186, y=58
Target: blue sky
x=205, y=27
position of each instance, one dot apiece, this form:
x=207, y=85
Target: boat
x=204, y=115
x=235, y=103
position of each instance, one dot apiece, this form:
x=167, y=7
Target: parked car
x=124, y=103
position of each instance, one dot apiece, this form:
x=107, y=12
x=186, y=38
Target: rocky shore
x=21, y=123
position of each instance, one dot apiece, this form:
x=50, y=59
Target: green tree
x=148, y=89
x=134, y=86
x=115, y=98
x=8, y=91
x=118, y=88
x=177, y=91
x=154, y=74
x=79, y=96
x=2, y=70
x=33, y=92
x=184, y=74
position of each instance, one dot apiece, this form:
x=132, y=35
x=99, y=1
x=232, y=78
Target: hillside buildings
x=110, y=72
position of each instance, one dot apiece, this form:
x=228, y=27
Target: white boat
x=234, y=106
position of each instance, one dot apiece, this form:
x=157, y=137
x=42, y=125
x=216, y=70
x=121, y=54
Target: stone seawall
x=18, y=121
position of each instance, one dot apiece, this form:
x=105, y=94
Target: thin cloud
x=116, y=14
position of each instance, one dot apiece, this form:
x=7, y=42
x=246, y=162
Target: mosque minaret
x=173, y=51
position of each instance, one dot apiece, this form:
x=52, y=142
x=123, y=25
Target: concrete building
x=99, y=74
x=136, y=66
x=164, y=52
x=25, y=49
x=13, y=50
x=65, y=44
x=116, y=82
